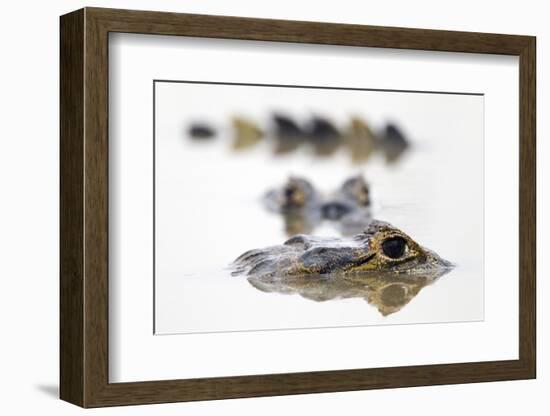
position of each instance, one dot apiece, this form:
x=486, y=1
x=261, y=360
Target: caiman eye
x=394, y=247
x=289, y=192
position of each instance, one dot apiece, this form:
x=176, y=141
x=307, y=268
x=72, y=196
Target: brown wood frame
x=84, y=209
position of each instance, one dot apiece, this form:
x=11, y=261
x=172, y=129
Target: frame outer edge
x=96, y=209
x=84, y=207
x=71, y=245
x=528, y=208
x=342, y=34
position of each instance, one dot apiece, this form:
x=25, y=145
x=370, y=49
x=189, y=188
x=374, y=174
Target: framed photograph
x=255, y=207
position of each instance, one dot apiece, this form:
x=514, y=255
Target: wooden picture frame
x=84, y=207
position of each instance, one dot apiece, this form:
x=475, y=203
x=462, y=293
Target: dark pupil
x=289, y=192
x=394, y=247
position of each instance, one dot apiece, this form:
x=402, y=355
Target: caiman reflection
x=382, y=265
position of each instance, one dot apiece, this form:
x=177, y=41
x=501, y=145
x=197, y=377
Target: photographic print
x=292, y=207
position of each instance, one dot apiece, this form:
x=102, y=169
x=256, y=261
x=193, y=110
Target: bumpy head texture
x=380, y=248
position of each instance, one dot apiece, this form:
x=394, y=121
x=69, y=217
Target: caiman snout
x=380, y=248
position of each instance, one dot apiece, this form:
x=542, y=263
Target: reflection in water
x=301, y=221
x=303, y=208
x=388, y=292
x=319, y=132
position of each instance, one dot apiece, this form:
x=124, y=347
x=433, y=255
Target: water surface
x=209, y=211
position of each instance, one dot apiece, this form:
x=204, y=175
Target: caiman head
x=356, y=189
x=381, y=248
x=295, y=194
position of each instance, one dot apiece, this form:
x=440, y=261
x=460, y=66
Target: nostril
x=299, y=240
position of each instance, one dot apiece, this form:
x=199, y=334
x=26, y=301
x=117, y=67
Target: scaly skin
x=380, y=248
